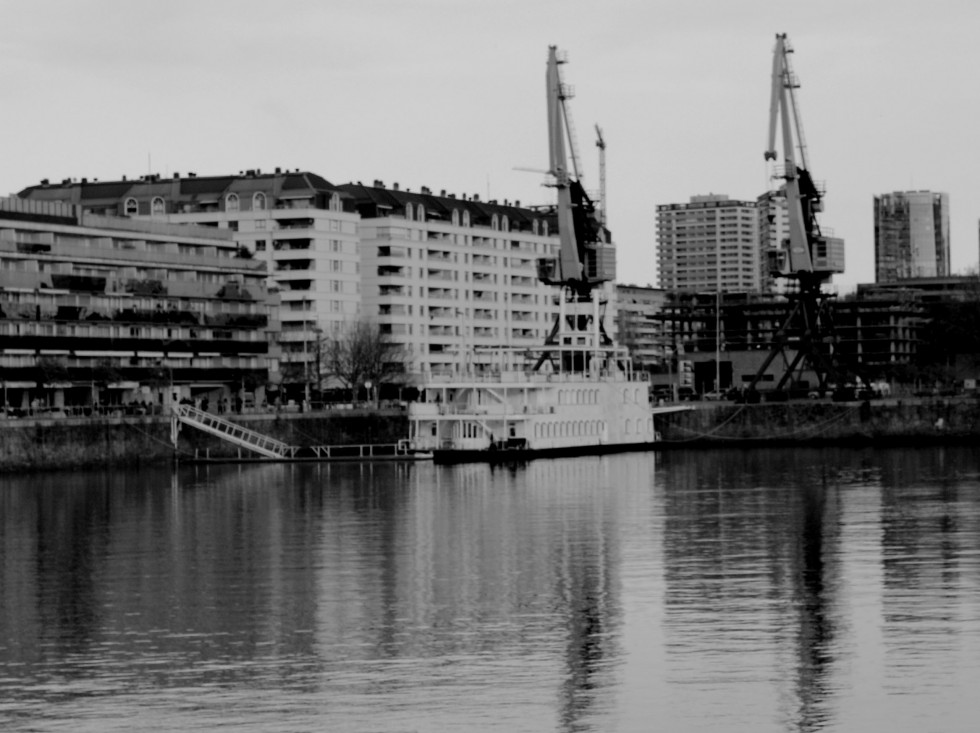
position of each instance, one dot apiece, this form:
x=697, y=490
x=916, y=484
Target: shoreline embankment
x=59, y=443
x=888, y=422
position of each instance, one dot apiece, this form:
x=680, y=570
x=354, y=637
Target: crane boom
x=569, y=260
x=601, y=144
x=586, y=259
x=802, y=224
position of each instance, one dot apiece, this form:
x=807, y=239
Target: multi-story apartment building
x=911, y=235
x=447, y=277
x=711, y=243
x=451, y=278
x=293, y=221
x=102, y=309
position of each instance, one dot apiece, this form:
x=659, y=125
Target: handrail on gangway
x=231, y=432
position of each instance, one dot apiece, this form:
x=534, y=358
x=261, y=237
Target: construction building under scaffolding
x=723, y=340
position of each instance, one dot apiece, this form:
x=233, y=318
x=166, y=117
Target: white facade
x=313, y=258
x=444, y=276
x=450, y=288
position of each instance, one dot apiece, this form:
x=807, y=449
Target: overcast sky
x=450, y=94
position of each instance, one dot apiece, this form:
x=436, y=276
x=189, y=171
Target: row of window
x=259, y=201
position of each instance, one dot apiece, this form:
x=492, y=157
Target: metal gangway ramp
x=227, y=430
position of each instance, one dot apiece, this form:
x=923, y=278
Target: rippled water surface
x=753, y=591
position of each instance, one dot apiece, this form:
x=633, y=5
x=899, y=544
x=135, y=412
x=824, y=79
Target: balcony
x=394, y=252
x=391, y=271
x=300, y=222
x=294, y=265
x=290, y=245
x=440, y=275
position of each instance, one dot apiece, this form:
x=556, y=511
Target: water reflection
x=757, y=590
x=751, y=540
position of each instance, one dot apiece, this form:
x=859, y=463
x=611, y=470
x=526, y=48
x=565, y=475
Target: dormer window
x=258, y=201
x=455, y=217
x=131, y=208
x=335, y=202
x=231, y=202
x=157, y=206
x=420, y=213
x=409, y=212
x=494, y=222
x=505, y=223
x=466, y=218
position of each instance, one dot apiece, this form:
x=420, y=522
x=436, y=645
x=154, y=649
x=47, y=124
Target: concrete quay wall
x=65, y=443
x=884, y=422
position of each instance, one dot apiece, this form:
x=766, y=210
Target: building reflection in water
x=476, y=561
x=748, y=537
x=786, y=590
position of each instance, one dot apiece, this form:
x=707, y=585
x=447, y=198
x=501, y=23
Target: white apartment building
x=452, y=278
x=447, y=277
x=710, y=243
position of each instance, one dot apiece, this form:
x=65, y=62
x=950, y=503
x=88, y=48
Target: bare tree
x=362, y=353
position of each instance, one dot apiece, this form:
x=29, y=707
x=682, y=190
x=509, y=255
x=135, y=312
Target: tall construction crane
x=806, y=341
x=585, y=259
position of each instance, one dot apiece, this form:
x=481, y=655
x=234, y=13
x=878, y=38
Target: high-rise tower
x=911, y=235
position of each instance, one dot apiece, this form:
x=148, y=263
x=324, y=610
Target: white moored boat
x=581, y=402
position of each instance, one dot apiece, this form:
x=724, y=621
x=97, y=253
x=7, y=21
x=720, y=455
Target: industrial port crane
x=806, y=340
x=586, y=259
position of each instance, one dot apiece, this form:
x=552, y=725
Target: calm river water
x=783, y=590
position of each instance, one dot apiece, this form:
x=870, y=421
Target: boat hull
x=520, y=455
